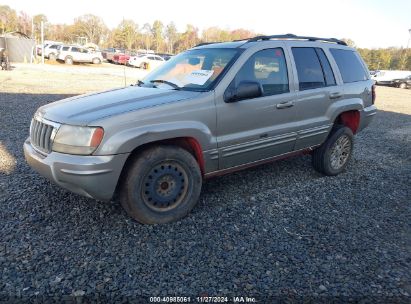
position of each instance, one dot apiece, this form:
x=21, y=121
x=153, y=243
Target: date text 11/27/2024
x=202, y=300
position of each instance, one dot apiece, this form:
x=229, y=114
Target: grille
x=40, y=135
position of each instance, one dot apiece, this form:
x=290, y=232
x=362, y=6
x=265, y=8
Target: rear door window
x=309, y=70
x=350, y=66
x=327, y=70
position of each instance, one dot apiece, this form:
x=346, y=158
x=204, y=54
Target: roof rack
x=292, y=36
x=205, y=43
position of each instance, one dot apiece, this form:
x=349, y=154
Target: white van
x=387, y=76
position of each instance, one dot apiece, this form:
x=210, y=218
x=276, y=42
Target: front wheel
x=332, y=157
x=96, y=61
x=161, y=185
x=402, y=85
x=52, y=56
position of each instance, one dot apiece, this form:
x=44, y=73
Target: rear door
x=75, y=53
x=255, y=129
x=316, y=91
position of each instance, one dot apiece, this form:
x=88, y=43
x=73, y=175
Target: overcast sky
x=372, y=24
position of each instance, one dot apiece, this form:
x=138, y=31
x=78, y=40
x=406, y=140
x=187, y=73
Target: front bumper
x=366, y=116
x=91, y=176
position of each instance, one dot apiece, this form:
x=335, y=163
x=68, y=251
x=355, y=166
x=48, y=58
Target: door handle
x=335, y=95
x=285, y=105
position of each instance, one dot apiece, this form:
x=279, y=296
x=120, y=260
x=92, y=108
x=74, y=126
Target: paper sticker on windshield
x=199, y=77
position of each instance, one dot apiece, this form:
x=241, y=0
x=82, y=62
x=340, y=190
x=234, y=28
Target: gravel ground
x=278, y=232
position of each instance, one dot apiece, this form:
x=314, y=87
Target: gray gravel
x=277, y=232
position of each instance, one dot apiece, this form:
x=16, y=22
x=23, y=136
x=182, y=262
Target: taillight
x=373, y=93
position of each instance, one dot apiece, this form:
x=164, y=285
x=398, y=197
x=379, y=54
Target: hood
x=83, y=109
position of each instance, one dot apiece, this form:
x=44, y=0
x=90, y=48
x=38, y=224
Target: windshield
x=194, y=69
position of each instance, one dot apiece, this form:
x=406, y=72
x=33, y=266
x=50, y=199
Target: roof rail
x=205, y=43
x=292, y=36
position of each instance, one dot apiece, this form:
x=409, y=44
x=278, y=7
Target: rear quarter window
x=350, y=66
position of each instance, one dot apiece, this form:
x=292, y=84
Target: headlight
x=77, y=140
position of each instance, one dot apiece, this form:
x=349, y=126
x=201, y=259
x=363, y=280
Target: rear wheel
x=68, y=60
x=161, y=185
x=332, y=157
x=402, y=85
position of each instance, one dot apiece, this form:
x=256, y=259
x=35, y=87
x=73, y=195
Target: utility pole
x=32, y=28
x=409, y=38
x=42, y=41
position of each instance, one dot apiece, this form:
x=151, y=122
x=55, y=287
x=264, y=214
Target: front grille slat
x=42, y=132
x=36, y=126
x=48, y=136
x=38, y=130
x=40, y=135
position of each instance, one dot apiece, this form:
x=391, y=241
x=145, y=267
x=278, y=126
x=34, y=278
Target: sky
x=370, y=24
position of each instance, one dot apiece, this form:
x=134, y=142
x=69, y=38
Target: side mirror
x=245, y=90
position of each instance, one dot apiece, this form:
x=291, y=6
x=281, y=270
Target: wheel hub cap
x=165, y=186
x=340, y=152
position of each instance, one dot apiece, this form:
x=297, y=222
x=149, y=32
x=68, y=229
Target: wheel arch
x=189, y=144
x=347, y=113
x=350, y=119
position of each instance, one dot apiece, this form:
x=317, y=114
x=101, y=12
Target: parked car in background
x=51, y=51
x=164, y=56
x=146, y=61
x=211, y=110
x=109, y=53
x=121, y=58
x=386, y=77
x=402, y=83
x=72, y=53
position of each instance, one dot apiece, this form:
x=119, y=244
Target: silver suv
x=211, y=110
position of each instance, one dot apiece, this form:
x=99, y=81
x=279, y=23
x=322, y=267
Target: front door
x=255, y=129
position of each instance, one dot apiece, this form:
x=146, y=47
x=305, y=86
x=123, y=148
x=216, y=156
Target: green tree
x=126, y=34
x=171, y=36
x=8, y=19
x=37, y=26
x=147, y=37
x=157, y=32
x=91, y=27
x=188, y=39
x=24, y=23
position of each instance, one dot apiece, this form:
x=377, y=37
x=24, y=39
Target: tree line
x=162, y=38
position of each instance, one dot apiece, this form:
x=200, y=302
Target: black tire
x=402, y=85
x=161, y=185
x=143, y=65
x=322, y=157
x=96, y=61
x=68, y=60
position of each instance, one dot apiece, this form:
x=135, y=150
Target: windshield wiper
x=171, y=84
x=140, y=83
